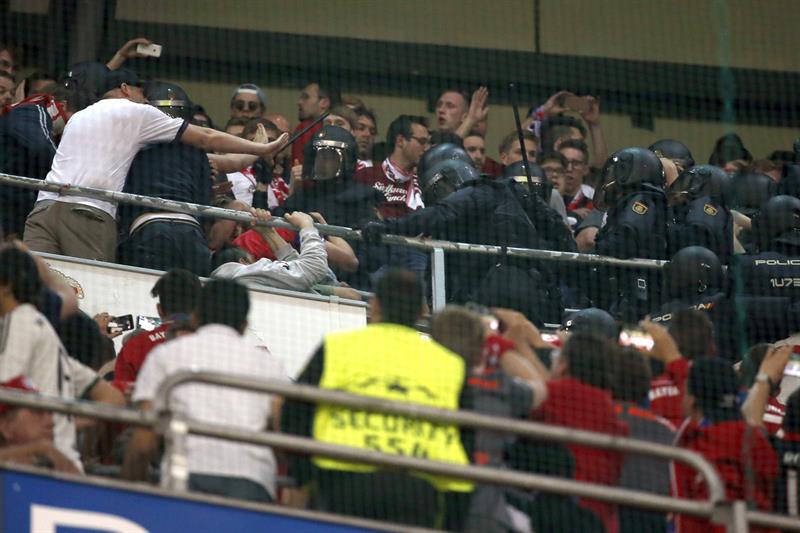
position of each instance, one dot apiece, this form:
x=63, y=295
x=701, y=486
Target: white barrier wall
x=290, y=324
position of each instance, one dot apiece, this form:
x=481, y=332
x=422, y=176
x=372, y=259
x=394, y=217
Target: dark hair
x=576, y=144
x=556, y=127
x=12, y=50
x=362, y=111
x=346, y=113
x=400, y=295
x=177, y=292
x=229, y=253
x=590, y=359
x=475, y=133
x=402, y=126
x=748, y=369
x=631, y=375
x=224, y=301
x=197, y=109
x=252, y=126
x=791, y=417
x=459, y=330
x=38, y=75
x=326, y=90
x=74, y=96
x=553, y=156
x=693, y=333
x=729, y=147
x=443, y=137
x=236, y=121
x=18, y=271
x=511, y=138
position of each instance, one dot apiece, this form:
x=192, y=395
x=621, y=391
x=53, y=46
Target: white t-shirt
x=99, y=144
x=29, y=346
x=217, y=348
x=244, y=185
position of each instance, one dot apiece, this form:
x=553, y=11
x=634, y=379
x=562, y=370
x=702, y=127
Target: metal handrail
x=716, y=489
x=327, y=229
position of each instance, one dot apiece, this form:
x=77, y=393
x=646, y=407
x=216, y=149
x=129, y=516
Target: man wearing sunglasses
x=248, y=101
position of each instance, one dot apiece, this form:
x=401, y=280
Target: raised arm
x=210, y=140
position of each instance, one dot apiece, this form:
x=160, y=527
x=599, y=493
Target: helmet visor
x=327, y=163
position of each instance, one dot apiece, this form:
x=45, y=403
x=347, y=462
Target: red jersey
x=492, y=168
x=744, y=459
x=253, y=242
x=133, y=354
x=300, y=143
x=773, y=416
x=666, y=391
x=572, y=403
x=401, y=189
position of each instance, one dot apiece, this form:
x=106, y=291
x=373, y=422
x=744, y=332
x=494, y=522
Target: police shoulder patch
x=639, y=208
x=710, y=210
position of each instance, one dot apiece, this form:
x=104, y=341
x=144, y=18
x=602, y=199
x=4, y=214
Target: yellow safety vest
x=396, y=363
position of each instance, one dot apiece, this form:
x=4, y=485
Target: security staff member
x=636, y=225
x=390, y=360
x=175, y=171
x=698, y=215
x=745, y=193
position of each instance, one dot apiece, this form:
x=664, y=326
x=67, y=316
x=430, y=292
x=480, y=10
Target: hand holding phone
x=118, y=324
x=149, y=50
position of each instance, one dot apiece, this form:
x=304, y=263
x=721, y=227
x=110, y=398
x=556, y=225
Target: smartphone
x=147, y=323
x=151, y=50
x=119, y=324
x=793, y=366
x=637, y=338
x=576, y=103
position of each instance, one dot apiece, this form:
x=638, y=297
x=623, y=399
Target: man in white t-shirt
x=215, y=466
x=29, y=346
x=96, y=150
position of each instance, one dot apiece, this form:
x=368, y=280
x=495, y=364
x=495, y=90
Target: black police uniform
x=702, y=222
x=26, y=149
x=787, y=486
x=174, y=171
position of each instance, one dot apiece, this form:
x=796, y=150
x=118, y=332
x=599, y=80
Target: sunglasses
x=241, y=105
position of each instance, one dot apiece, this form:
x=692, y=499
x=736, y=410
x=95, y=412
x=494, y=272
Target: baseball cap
x=115, y=78
x=592, y=320
x=713, y=383
x=20, y=383
x=251, y=88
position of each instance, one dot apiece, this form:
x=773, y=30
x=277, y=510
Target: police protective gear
x=747, y=192
x=330, y=154
x=541, y=185
x=627, y=171
x=169, y=98
x=700, y=180
x=445, y=177
x=593, y=320
x=778, y=223
x=691, y=272
x=674, y=150
x=439, y=153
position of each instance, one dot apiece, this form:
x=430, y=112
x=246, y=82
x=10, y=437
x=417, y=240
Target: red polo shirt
x=667, y=390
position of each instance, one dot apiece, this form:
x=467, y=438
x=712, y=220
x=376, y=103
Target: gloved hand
x=373, y=232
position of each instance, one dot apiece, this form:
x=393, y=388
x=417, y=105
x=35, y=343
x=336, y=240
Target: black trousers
x=231, y=487
x=166, y=244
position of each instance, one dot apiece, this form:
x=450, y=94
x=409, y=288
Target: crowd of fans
x=705, y=360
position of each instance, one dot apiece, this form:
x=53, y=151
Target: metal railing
x=175, y=430
x=435, y=247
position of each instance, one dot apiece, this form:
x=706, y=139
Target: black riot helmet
x=748, y=191
x=592, y=320
x=674, y=150
x=627, y=171
x=778, y=221
x=790, y=182
x=541, y=185
x=693, y=271
x=699, y=181
x=330, y=154
x=169, y=98
x=445, y=177
x=439, y=153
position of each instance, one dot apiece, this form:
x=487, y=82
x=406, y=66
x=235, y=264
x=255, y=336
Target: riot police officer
x=463, y=206
x=160, y=240
x=698, y=215
x=675, y=151
x=636, y=224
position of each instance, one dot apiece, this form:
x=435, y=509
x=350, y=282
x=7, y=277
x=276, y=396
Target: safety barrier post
x=437, y=280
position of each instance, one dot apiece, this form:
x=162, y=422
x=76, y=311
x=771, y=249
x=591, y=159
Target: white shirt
x=99, y=144
x=29, y=346
x=244, y=185
x=217, y=348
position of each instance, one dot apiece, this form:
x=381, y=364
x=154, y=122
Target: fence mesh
x=415, y=154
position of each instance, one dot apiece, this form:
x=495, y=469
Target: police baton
x=515, y=107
